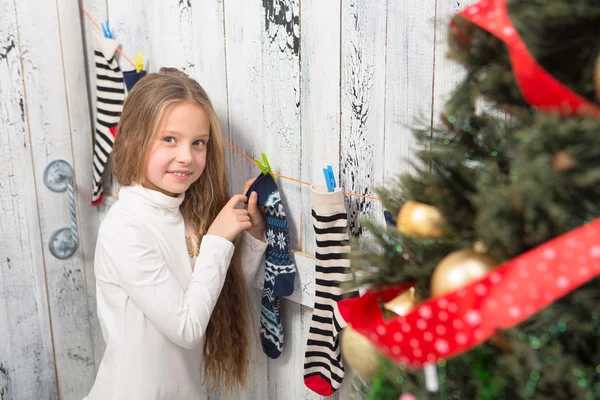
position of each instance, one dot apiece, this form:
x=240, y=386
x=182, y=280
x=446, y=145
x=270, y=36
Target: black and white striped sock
x=323, y=367
x=110, y=95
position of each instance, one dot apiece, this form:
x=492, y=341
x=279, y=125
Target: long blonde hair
x=226, y=350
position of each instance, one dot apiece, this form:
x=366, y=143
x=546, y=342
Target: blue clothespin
x=329, y=178
x=266, y=168
x=106, y=30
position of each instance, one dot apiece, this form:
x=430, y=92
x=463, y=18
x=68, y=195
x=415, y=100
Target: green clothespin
x=266, y=168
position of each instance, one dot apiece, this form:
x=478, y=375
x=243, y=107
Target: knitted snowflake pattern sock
x=110, y=94
x=323, y=367
x=280, y=269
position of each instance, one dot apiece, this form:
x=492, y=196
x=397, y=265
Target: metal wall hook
x=58, y=177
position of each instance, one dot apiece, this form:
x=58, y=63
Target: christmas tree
x=496, y=233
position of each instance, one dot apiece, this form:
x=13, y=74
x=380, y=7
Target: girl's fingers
x=252, y=207
x=235, y=200
x=246, y=225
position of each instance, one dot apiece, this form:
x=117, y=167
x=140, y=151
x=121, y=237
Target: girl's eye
x=198, y=142
x=169, y=139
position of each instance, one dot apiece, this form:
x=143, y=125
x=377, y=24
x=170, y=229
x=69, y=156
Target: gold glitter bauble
x=360, y=354
x=404, y=303
x=421, y=220
x=459, y=269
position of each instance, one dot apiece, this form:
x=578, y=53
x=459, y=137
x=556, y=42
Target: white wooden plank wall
x=308, y=82
x=26, y=351
x=363, y=51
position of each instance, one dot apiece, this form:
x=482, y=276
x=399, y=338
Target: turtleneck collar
x=150, y=197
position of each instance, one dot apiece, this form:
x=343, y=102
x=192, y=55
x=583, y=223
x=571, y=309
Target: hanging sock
x=278, y=255
x=132, y=77
x=280, y=269
x=323, y=366
x=389, y=219
x=110, y=94
x=271, y=329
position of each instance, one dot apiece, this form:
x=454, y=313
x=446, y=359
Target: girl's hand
x=231, y=221
x=255, y=213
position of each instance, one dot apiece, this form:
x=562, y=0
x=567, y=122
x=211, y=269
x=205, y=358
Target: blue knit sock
x=278, y=256
x=280, y=269
x=271, y=330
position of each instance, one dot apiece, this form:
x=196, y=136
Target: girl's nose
x=184, y=155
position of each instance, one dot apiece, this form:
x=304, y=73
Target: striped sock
x=110, y=93
x=323, y=367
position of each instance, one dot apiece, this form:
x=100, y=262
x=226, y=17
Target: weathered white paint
x=409, y=79
x=308, y=82
x=50, y=133
x=27, y=367
x=78, y=108
x=362, y=105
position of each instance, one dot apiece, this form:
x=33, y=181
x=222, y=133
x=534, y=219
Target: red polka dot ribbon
x=539, y=88
x=449, y=325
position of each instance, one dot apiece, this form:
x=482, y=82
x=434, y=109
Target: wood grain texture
x=210, y=62
x=409, y=79
x=80, y=124
x=130, y=23
x=362, y=105
x=319, y=101
x=50, y=132
x=27, y=369
x=171, y=34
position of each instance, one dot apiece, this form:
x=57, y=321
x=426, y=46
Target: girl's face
x=177, y=156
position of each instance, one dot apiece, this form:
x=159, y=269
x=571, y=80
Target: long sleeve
x=252, y=253
x=140, y=269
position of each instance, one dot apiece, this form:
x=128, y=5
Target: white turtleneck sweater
x=155, y=297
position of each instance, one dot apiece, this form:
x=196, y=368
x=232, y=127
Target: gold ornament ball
x=360, y=353
x=421, y=220
x=404, y=303
x=458, y=269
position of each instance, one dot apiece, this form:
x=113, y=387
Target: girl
x=171, y=290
